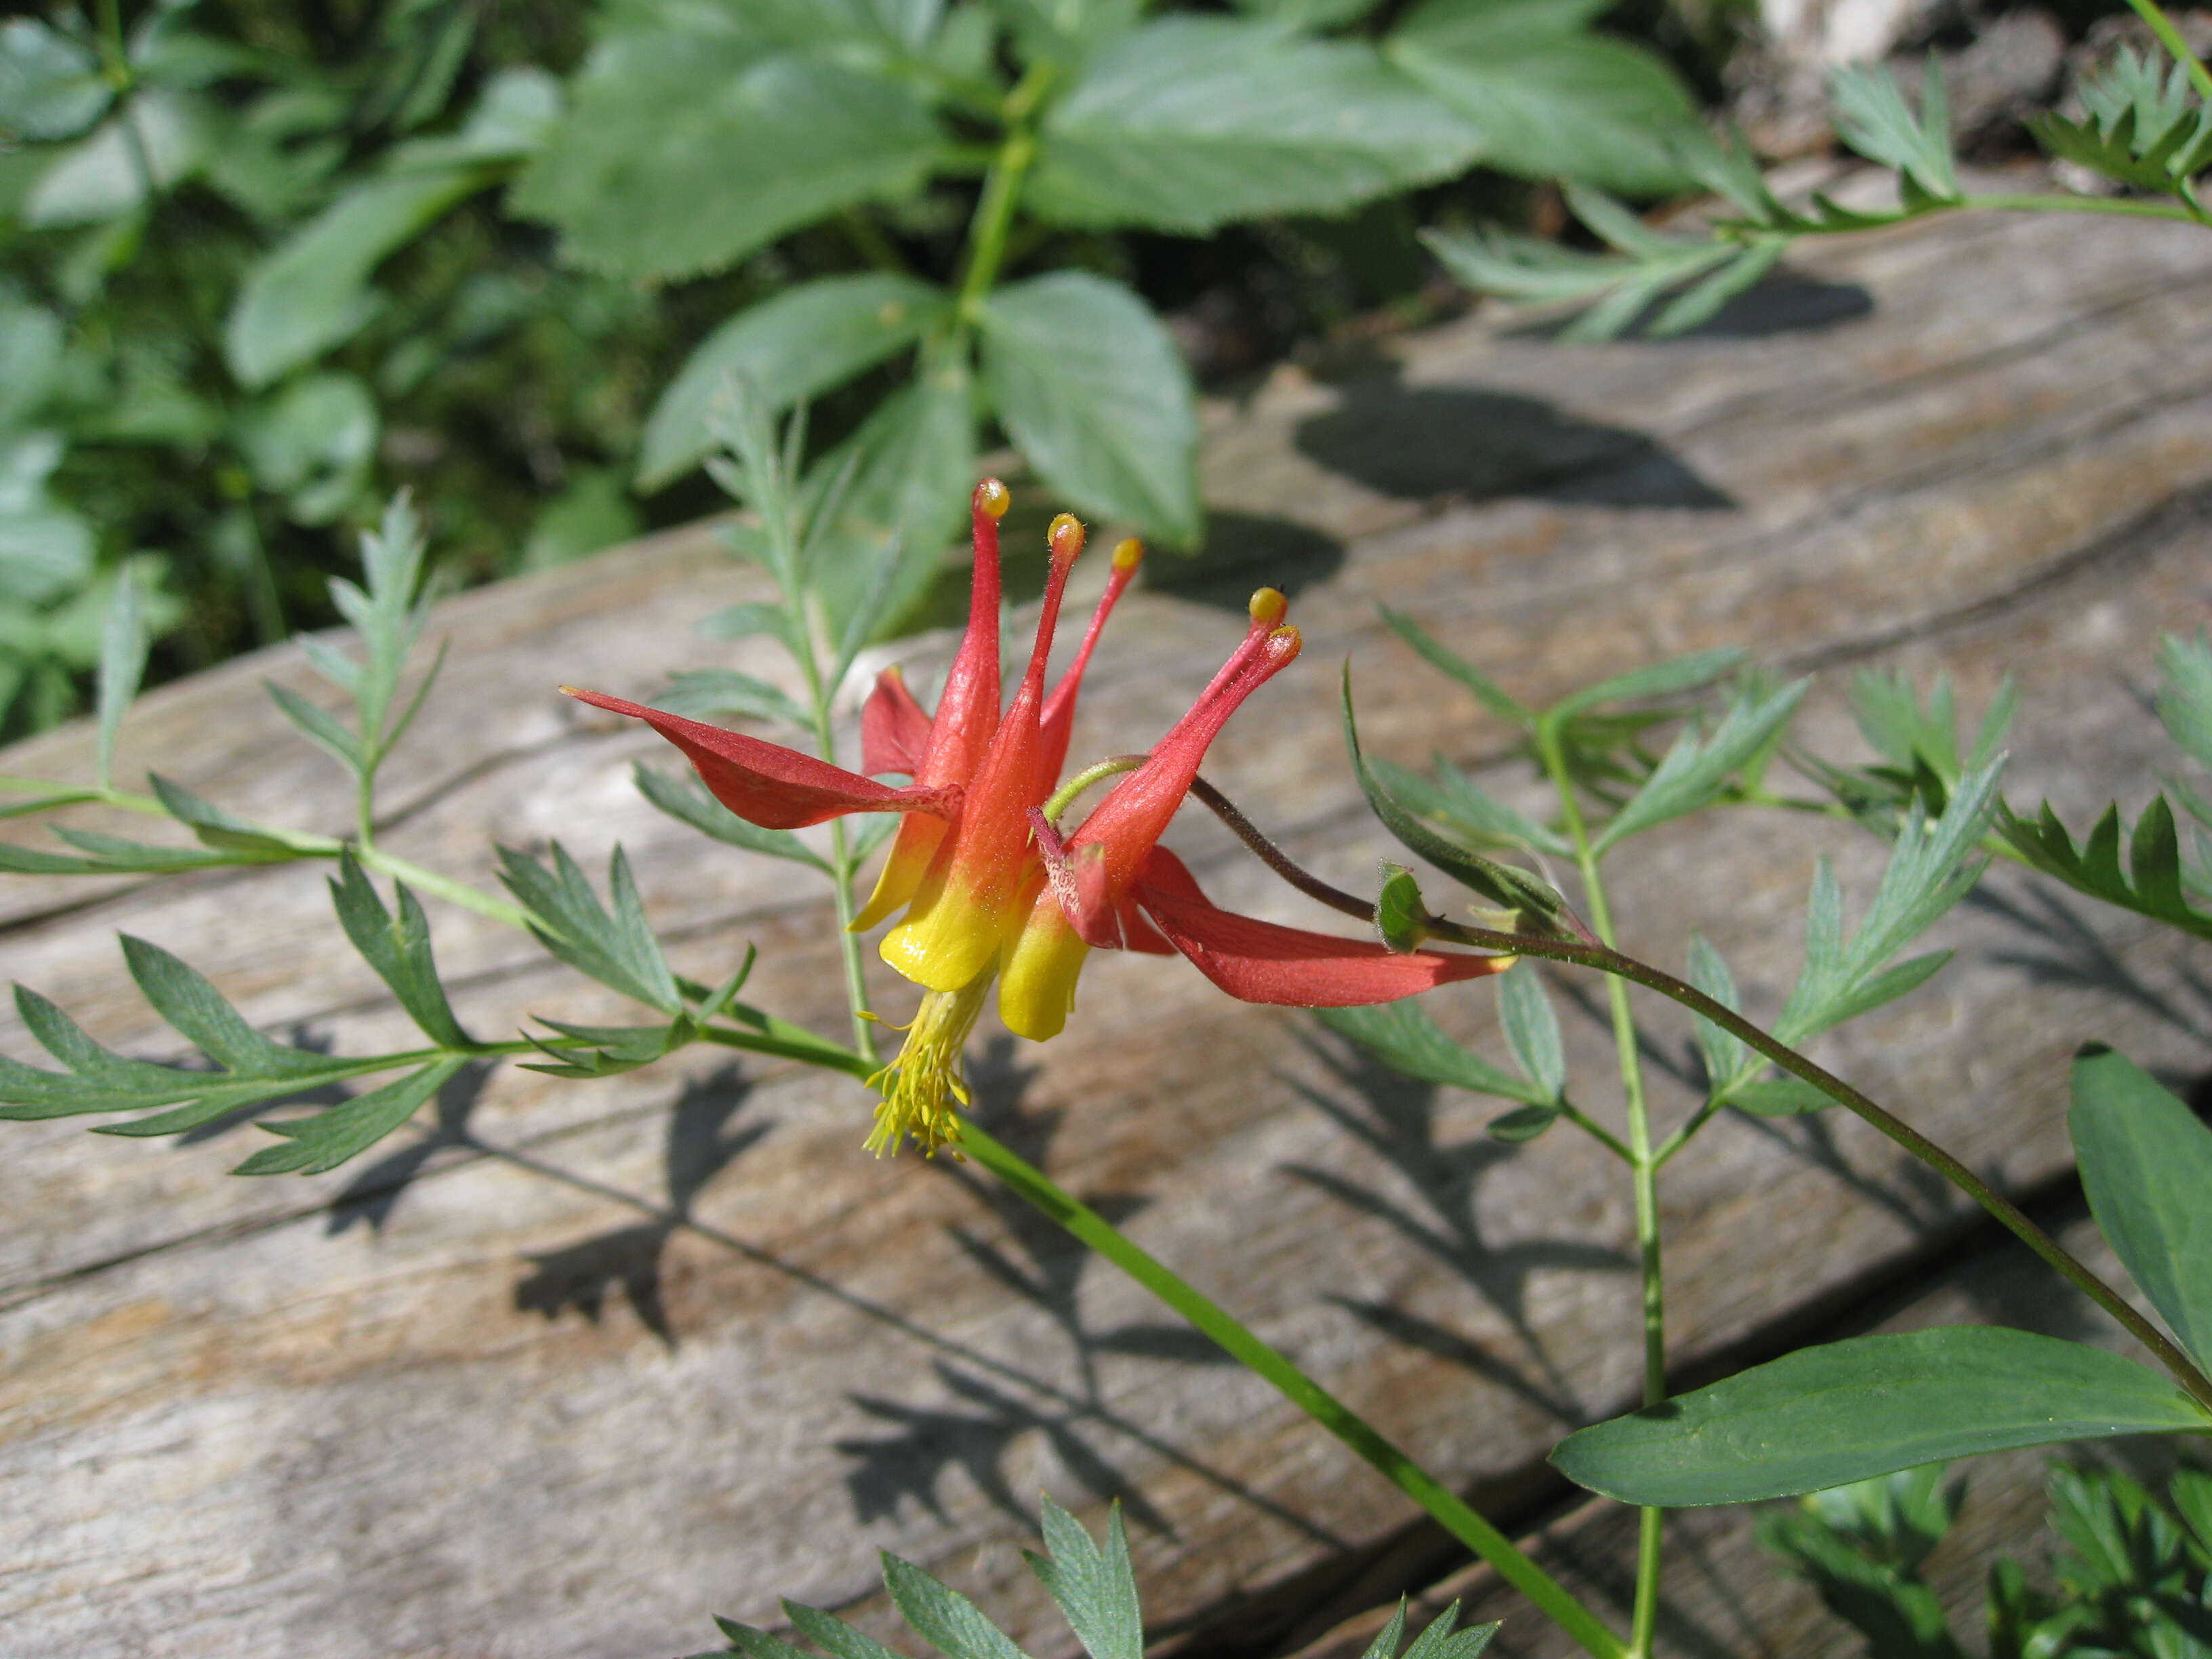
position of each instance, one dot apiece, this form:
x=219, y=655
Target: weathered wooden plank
x=265, y=1417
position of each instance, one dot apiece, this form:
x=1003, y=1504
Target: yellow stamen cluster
x=925, y=1089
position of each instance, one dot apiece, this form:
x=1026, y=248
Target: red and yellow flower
x=992, y=893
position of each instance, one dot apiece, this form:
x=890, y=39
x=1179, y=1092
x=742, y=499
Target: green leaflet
x=619, y=949
x=1850, y=1410
x=1094, y=1588
x=1187, y=123
x=312, y=1144
x=1543, y=97
x=794, y=347
x=638, y=195
x=2151, y=884
x=1403, y=1037
x=1093, y=389
x=397, y=946
x=2146, y=1165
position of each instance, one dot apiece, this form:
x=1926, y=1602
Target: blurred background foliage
x=261, y=262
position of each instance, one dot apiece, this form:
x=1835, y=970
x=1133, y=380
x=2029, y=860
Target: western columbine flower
x=991, y=892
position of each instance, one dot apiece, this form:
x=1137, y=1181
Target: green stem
x=2126, y=207
x=1457, y=1518
x=1605, y=960
x=1066, y=795
x=1644, y=1171
x=452, y=891
x=2170, y=38
x=1002, y=190
x=1596, y=1130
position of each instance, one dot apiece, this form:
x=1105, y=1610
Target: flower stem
x=1644, y=1172
x=1002, y=191
x=1457, y=1518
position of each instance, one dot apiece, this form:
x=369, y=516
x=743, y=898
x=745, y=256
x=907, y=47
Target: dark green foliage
x=2134, y=1575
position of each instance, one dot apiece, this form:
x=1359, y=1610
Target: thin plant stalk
x=1643, y=1173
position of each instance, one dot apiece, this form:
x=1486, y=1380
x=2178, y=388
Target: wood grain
x=576, y=1365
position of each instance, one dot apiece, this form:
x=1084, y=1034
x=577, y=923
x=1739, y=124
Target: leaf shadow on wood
x=1786, y=302
x=1466, y=443
x=1395, y=1119
x=584, y=1275
x=985, y=1426
x=1244, y=551
x=2069, y=953
x=371, y=1196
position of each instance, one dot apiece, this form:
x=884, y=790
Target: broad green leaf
x=1487, y=691
x=708, y=693
x=312, y=1144
x=618, y=950
x=1851, y=1410
x=794, y=347
x=123, y=647
x=103, y=177
x=50, y=87
x=942, y=1617
x=1403, y=1037
x=1094, y=1588
x=1310, y=14
x=1532, y=1031
x=1872, y=117
x=1693, y=772
x=682, y=153
x=2146, y=1165
x=397, y=946
x=912, y=468
x=1661, y=679
x=1501, y=883
x=1544, y=98
x=1187, y=123
x=1095, y=395
x=314, y=291
x=686, y=800
x=313, y=443
x=31, y=345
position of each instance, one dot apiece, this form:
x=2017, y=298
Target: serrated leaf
x=2152, y=888
x=183, y=997
x=313, y=1144
x=397, y=946
x=1094, y=1588
x=686, y=800
x=1695, y=770
x=942, y=1617
x=618, y=950
x=1851, y=1410
x=795, y=346
x=1779, y=1096
x=1543, y=97
x=1093, y=391
x=1872, y=117
x=1532, y=1031
x=637, y=174
x=1403, y=1037
x=2146, y=1165
x=1187, y=123
x=596, y=1051
x=1513, y=889
x=833, y=1635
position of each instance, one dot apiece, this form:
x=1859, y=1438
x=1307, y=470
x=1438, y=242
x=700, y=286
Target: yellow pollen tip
x=1268, y=607
x=1128, y=555
x=1065, y=537
x=993, y=498
x=1288, y=640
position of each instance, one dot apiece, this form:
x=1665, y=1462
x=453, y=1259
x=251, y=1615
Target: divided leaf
x=617, y=949
x=1696, y=768
x=1403, y=1037
x=1094, y=1588
x=312, y=1144
x=398, y=948
x=2153, y=883
x=1872, y=117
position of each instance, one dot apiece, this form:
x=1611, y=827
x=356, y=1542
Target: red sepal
x=894, y=730
x=1259, y=961
x=769, y=784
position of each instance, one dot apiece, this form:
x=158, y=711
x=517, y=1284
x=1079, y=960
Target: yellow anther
x=1268, y=606
x=1128, y=554
x=1065, y=537
x=993, y=498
